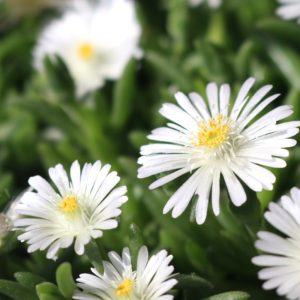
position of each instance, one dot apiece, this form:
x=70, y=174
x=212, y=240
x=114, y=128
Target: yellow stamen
x=125, y=288
x=69, y=204
x=213, y=133
x=86, y=51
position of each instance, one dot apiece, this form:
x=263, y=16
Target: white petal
x=236, y=191
x=224, y=99
x=212, y=95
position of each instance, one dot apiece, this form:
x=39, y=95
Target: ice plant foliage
x=289, y=9
x=281, y=263
x=151, y=280
x=229, y=139
x=211, y=3
x=79, y=208
x=95, y=41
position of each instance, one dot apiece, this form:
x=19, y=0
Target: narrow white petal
x=224, y=99
x=236, y=191
x=244, y=90
x=212, y=95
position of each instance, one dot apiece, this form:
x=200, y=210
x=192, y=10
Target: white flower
x=282, y=261
x=211, y=3
x=151, y=280
x=224, y=139
x=95, y=41
x=289, y=9
x=78, y=208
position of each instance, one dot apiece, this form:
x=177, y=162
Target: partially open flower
x=151, y=280
x=281, y=261
x=79, y=208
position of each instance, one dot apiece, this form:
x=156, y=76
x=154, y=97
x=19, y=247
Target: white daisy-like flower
x=95, y=41
x=225, y=139
x=281, y=263
x=79, y=208
x=151, y=280
x=289, y=9
x=211, y=3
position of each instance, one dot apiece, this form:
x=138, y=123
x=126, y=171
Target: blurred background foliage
x=42, y=124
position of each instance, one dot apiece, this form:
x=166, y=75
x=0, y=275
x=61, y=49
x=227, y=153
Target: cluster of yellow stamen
x=125, y=288
x=68, y=204
x=213, y=133
x=86, y=51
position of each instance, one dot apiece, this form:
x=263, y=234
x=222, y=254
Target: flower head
x=151, y=280
x=289, y=9
x=281, y=263
x=78, y=208
x=225, y=139
x=95, y=41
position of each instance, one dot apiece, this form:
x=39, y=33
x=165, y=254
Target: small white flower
x=151, y=280
x=282, y=261
x=223, y=139
x=211, y=3
x=95, y=41
x=78, y=208
x=289, y=9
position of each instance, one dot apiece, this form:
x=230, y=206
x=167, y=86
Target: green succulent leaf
x=48, y=288
x=236, y=295
x=28, y=280
x=124, y=95
x=16, y=291
x=65, y=281
x=193, y=281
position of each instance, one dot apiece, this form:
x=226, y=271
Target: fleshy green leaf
x=281, y=29
x=287, y=60
x=65, y=281
x=93, y=253
x=28, y=279
x=192, y=281
x=48, y=288
x=16, y=291
x=136, y=242
x=236, y=295
x=124, y=95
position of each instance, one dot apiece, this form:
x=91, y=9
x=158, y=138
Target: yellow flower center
x=213, y=133
x=125, y=288
x=86, y=51
x=69, y=204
